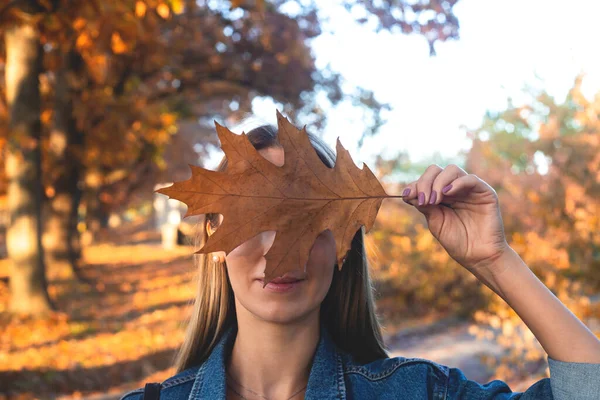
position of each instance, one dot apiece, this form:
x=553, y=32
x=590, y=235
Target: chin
x=281, y=312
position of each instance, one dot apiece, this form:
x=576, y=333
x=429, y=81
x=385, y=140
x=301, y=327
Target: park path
x=446, y=342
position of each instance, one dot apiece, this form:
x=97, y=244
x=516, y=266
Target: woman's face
x=246, y=265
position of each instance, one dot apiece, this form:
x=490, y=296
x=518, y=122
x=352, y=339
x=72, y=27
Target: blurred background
x=102, y=102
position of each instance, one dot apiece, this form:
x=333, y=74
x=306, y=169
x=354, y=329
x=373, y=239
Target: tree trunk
x=75, y=236
x=28, y=284
x=65, y=152
x=96, y=216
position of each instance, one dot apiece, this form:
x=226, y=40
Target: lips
x=285, y=279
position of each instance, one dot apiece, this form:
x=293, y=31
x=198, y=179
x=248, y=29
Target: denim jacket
x=335, y=375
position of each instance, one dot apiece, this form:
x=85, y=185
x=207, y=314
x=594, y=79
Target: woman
x=317, y=336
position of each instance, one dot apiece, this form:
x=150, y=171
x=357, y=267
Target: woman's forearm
x=562, y=335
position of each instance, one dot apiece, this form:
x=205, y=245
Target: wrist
x=492, y=272
x=504, y=261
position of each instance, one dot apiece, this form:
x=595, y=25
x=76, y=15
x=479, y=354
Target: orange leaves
x=424, y=239
x=84, y=42
x=414, y=273
x=536, y=250
x=118, y=45
x=168, y=118
x=140, y=9
x=116, y=91
x=79, y=23
x=551, y=220
x=402, y=242
x=533, y=197
x=111, y=338
x=98, y=65
x=163, y=10
x=177, y=6
x=46, y=116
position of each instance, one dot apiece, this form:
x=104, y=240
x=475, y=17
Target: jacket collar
x=326, y=380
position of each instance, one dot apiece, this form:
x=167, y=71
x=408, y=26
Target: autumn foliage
x=128, y=91
x=127, y=325
x=550, y=218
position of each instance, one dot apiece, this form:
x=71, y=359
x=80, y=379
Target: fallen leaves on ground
x=111, y=335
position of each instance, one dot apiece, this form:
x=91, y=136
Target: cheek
x=324, y=248
x=246, y=262
x=257, y=246
x=322, y=259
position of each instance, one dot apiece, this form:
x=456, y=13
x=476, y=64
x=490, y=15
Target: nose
x=267, y=239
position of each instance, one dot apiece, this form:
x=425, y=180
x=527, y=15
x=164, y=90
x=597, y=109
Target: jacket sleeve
x=572, y=380
x=568, y=380
x=459, y=387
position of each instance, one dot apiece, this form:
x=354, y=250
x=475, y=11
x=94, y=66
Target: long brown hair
x=348, y=310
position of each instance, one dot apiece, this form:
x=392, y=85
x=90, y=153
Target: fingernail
x=421, y=198
x=446, y=189
x=433, y=197
x=406, y=192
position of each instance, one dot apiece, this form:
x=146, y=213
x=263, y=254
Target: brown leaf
x=299, y=200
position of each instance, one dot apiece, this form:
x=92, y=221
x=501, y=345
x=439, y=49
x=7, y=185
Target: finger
x=413, y=202
x=443, y=182
x=425, y=182
x=468, y=183
x=427, y=210
x=410, y=192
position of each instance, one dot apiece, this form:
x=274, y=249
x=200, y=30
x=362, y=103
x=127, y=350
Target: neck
x=273, y=359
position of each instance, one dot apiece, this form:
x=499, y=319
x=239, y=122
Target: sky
x=503, y=46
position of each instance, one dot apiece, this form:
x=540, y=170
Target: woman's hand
x=463, y=214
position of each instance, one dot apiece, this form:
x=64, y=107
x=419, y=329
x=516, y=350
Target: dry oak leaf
x=298, y=200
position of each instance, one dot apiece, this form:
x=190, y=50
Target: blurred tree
x=65, y=146
x=23, y=163
x=543, y=159
x=401, y=168
x=415, y=277
x=190, y=59
x=432, y=19
x=120, y=77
